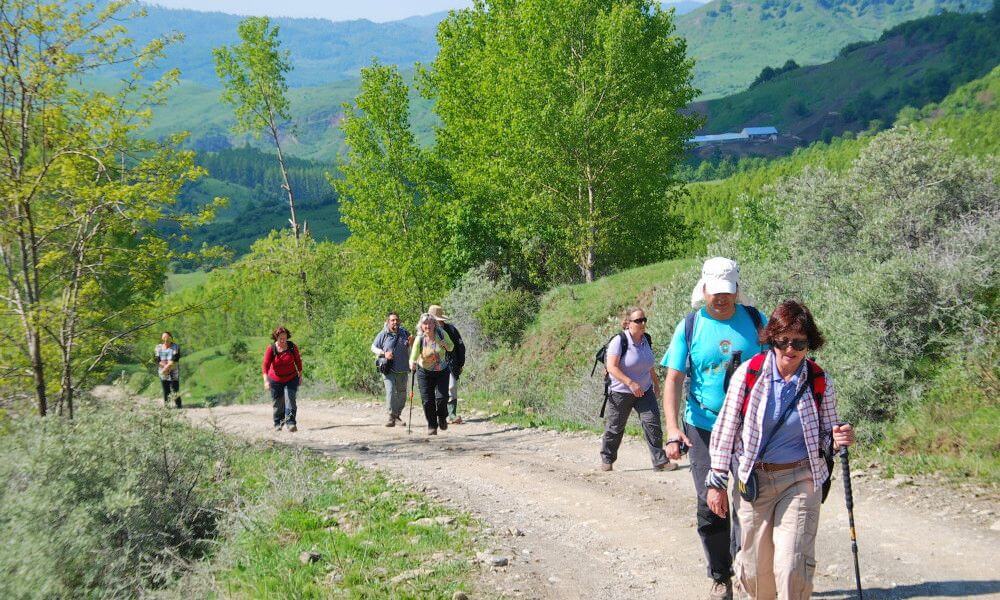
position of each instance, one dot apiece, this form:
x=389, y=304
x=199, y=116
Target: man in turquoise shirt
x=722, y=330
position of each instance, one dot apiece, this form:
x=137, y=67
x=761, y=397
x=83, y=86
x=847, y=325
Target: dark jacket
x=455, y=358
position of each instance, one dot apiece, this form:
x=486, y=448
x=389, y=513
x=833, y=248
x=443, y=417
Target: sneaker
x=667, y=466
x=605, y=466
x=443, y=423
x=722, y=589
x=432, y=431
x=293, y=428
x=392, y=421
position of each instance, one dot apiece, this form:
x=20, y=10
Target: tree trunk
x=590, y=249
x=287, y=186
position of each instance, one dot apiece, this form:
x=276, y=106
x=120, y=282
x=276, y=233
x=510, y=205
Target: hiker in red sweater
x=282, y=370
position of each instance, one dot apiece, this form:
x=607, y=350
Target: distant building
x=749, y=134
x=760, y=134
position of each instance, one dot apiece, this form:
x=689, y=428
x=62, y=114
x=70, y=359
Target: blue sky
x=335, y=10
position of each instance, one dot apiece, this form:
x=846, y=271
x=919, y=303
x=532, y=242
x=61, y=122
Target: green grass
x=179, y=281
x=952, y=429
x=359, y=523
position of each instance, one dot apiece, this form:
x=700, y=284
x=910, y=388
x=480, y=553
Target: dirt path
x=630, y=533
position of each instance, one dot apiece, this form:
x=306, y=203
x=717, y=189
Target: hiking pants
x=618, y=410
x=171, y=385
x=778, y=551
x=452, y=395
x=284, y=410
x=433, y=387
x=717, y=537
x=395, y=392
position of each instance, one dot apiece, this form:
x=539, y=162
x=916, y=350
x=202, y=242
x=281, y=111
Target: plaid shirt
x=731, y=439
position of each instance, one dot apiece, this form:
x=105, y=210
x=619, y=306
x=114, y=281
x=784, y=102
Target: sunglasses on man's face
x=640, y=320
x=785, y=343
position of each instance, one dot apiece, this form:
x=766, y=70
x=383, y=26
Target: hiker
x=282, y=370
x=427, y=358
x=707, y=345
x=392, y=347
x=779, y=413
x=455, y=359
x=634, y=385
x=167, y=355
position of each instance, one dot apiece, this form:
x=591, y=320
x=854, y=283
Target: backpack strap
x=816, y=380
x=753, y=373
x=688, y=334
x=755, y=316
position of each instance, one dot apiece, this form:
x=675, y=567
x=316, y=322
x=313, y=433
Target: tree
x=560, y=127
x=253, y=77
x=394, y=199
x=80, y=258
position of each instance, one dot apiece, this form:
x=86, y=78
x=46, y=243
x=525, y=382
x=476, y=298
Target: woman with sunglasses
x=777, y=428
x=634, y=385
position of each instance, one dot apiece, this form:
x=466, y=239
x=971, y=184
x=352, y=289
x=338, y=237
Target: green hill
x=912, y=64
x=733, y=40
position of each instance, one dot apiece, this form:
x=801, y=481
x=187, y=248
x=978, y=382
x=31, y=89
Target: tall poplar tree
x=561, y=127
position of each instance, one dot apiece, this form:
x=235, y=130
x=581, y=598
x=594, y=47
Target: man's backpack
x=601, y=356
x=689, y=319
x=815, y=380
x=456, y=358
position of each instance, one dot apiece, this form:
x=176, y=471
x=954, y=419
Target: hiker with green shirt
x=427, y=358
x=707, y=346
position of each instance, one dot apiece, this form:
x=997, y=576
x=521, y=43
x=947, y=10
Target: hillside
x=912, y=64
x=733, y=40
x=321, y=50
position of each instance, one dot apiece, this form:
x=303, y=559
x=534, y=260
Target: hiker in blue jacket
x=707, y=346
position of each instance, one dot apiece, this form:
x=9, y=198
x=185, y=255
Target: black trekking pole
x=409, y=421
x=849, y=498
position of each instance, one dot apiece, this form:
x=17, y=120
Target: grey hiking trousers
x=619, y=408
x=395, y=392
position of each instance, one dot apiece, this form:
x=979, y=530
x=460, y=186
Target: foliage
x=81, y=259
x=111, y=504
x=504, y=317
x=238, y=351
x=394, y=196
x=896, y=255
x=558, y=119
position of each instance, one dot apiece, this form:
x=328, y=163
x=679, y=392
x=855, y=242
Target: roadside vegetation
x=127, y=500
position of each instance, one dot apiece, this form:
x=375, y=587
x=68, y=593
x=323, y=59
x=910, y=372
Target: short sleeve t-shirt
x=637, y=363
x=713, y=345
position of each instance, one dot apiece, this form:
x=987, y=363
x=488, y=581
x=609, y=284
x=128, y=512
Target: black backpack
x=602, y=354
x=456, y=358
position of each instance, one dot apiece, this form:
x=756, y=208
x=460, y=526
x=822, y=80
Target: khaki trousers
x=777, y=558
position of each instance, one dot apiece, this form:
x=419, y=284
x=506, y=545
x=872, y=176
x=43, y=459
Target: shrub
x=238, y=351
x=110, y=504
x=504, y=317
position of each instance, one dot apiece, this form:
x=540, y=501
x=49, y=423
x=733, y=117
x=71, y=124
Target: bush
x=111, y=504
x=896, y=258
x=505, y=316
x=238, y=351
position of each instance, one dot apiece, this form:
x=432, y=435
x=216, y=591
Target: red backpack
x=815, y=379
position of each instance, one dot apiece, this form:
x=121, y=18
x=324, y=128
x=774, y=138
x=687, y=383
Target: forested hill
x=733, y=40
x=912, y=64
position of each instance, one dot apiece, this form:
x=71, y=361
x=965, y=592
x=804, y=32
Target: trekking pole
x=409, y=420
x=849, y=498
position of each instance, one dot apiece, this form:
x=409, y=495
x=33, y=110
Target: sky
x=335, y=10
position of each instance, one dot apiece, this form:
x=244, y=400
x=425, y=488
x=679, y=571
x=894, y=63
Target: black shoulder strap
x=623, y=345
x=688, y=334
x=755, y=316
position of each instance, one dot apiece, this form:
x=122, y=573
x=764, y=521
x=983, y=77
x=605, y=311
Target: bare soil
x=631, y=533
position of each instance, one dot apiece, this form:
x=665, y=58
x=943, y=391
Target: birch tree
x=81, y=192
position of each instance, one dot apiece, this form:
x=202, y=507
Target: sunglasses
x=640, y=320
x=785, y=343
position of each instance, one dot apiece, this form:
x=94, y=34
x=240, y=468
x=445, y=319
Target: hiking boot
x=293, y=428
x=392, y=421
x=667, y=466
x=605, y=466
x=277, y=427
x=432, y=431
x=722, y=589
x=456, y=420
x=443, y=423
x=400, y=420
